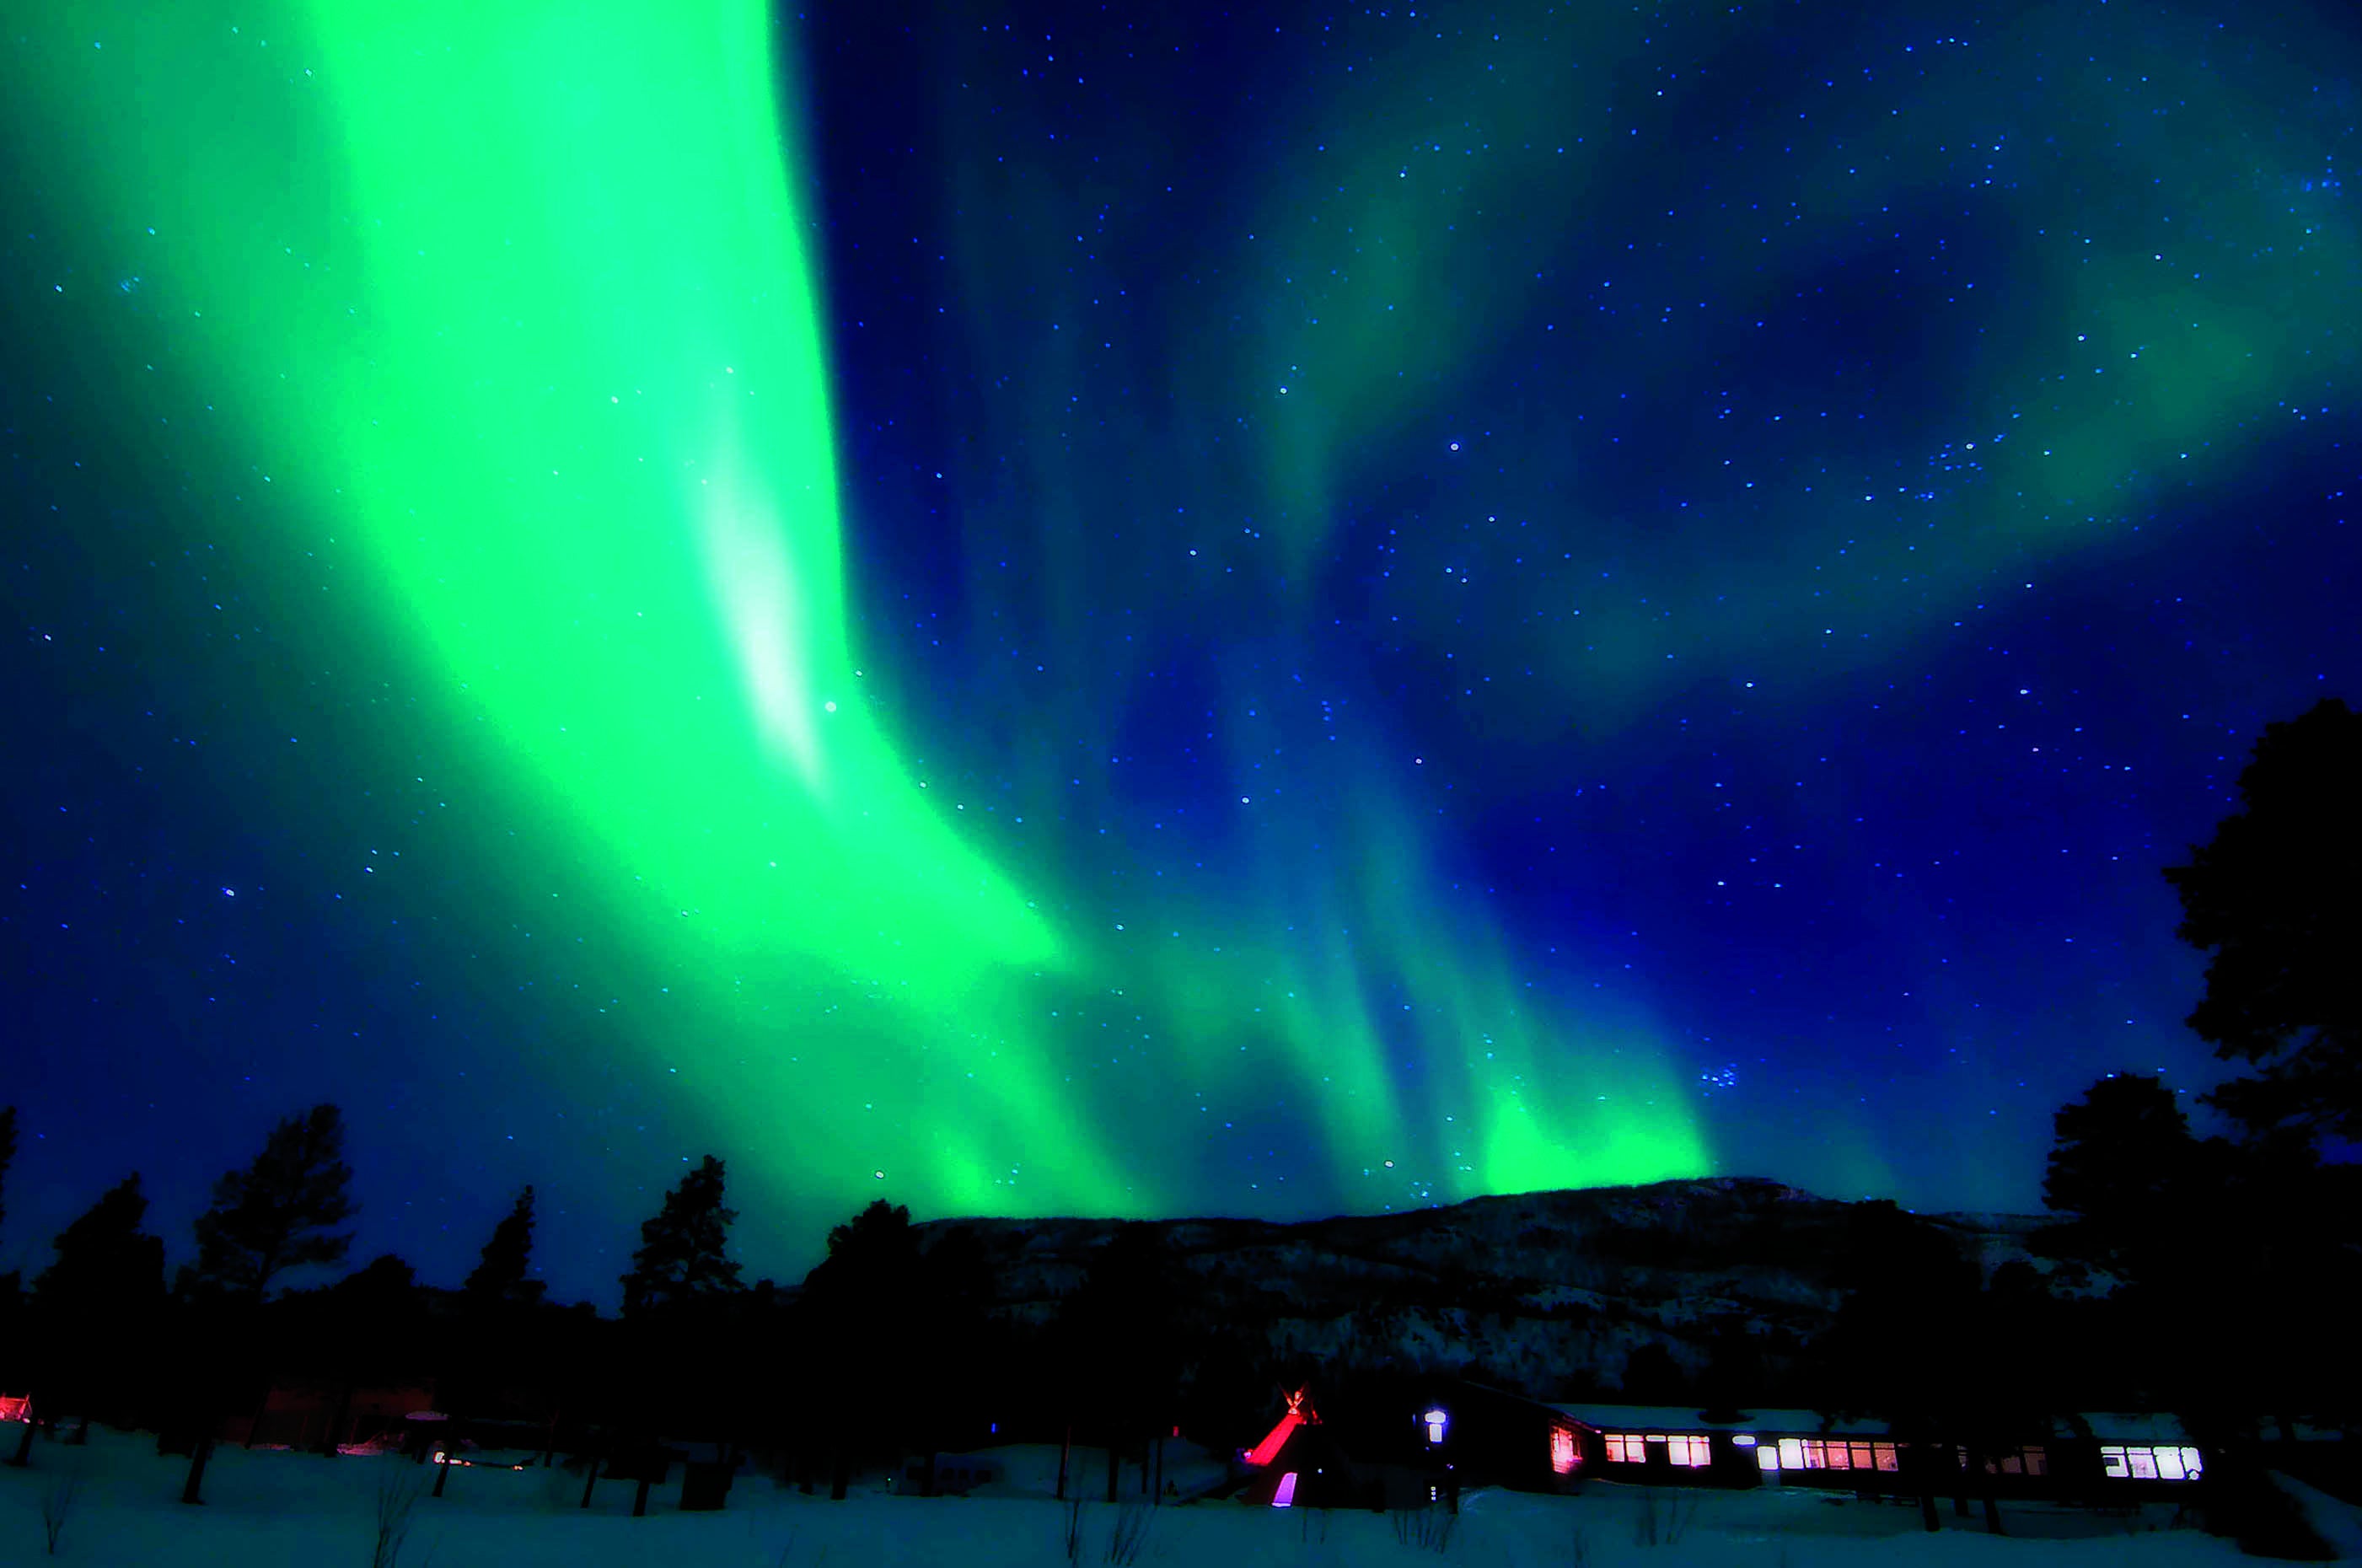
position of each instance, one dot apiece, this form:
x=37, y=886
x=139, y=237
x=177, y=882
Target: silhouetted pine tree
x=93, y=1312
x=11, y=1284
x=98, y=1303
x=7, y=1152
x=861, y=1305
x=1909, y=1304
x=2272, y=896
x=1117, y=1330
x=684, y=1248
x=2121, y=1179
x=500, y=1274
x=279, y=1213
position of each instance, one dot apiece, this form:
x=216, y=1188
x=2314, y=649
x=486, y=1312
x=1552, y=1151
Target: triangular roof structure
x=1301, y=1413
x=1309, y=1469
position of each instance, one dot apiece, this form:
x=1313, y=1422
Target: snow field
x=266, y=1509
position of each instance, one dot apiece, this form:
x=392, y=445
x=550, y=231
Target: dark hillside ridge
x=1548, y=1292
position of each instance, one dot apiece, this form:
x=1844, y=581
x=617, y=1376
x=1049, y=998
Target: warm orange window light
x=1561, y=1450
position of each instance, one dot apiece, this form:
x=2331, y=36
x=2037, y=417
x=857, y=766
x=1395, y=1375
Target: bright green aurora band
x=511, y=312
x=563, y=374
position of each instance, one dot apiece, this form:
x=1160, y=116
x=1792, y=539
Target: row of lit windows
x=1687, y=1450
x=2151, y=1461
x=1825, y=1453
x=2148, y=1461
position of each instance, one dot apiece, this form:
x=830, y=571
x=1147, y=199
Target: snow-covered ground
x=271, y=1507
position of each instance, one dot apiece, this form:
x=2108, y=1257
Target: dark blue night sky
x=1507, y=599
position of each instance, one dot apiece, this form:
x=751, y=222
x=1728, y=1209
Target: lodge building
x=1427, y=1440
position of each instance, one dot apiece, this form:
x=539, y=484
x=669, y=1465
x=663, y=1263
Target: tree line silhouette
x=2210, y=1276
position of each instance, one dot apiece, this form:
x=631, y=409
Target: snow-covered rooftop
x=2103, y=1426
x=1690, y=1418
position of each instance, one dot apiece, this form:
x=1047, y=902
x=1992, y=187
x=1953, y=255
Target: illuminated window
x=2151, y=1461
x=1742, y=1440
x=1861, y=1456
x=1694, y=1452
x=1883, y=1454
x=1792, y=1453
x=1627, y=1448
x=1561, y=1450
x=1284, y=1495
x=1767, y=1456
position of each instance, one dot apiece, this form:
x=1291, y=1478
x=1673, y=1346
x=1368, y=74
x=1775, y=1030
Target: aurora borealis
x=1035, y=611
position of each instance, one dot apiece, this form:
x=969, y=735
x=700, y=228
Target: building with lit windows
x=2090, y=1456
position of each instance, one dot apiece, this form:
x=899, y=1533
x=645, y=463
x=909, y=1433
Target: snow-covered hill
x=1548, y=1292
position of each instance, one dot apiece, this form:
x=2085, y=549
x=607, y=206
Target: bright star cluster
x=1046, y=609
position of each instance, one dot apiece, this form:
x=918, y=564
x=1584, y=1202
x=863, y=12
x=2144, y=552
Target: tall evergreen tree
x=861, y=1304
x=2272, y=897
x=1118, y=1331
x=2122, y=1177
x=500, y=1275
x=12, y=1293
x=280, y=1213
x=684, y=1248
x=95, y=1310
x=104, y=1261
x=7, y=1152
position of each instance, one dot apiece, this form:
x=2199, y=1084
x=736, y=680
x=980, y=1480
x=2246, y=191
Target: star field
x=1041, y=609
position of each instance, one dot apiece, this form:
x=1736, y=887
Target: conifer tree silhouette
x=500, y=1275
x=684, y=1247
x=282, y=1211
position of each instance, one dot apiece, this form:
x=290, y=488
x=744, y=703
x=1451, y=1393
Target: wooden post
x=640, y=1498
x=442, y=1470
x=1065, y=1446
x=338, y=1419
x=197, y=1457
x=590, y=1479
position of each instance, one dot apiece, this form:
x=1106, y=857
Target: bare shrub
x=1429, y=1529
x=1128, y=1534
x=397, y=1498
x=1663, y=1518
x=57, y=1507
x=1683, y=1514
